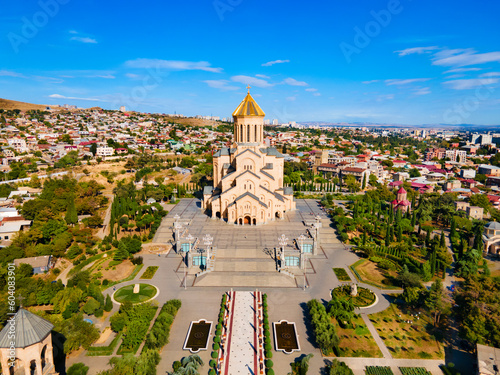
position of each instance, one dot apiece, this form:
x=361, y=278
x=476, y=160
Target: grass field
x=371, y=274
x=341, y=274
x=407, y=340
x=149, y=273
x=357, y=341
x=126, y=294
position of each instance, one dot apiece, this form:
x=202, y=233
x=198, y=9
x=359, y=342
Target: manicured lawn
x=341, y=274
x=364, y=297
x=407, y=340
x=150, y=272
x=126, y=294
x=357, y=341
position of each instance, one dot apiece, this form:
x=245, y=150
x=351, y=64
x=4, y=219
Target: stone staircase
x=245, y=268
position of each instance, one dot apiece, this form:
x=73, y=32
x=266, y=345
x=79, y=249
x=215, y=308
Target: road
x=104, y=230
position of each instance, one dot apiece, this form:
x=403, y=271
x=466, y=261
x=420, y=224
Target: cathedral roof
x=248, y=107
x=29, y=329
x=271, y=151
x=248, y=150
x=401, y=191
x=266, y=174
x=248, y=194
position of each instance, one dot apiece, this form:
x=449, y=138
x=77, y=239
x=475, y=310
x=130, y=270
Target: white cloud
x=294, y=82
x=105, y=76
x=369, y=82
x=382, y=98
x=490, y=74
x=252, y=81
x=172, y=64
x=455, y=76
x=73, y=32
x=418, y=50
x=464, y=57
x=270, y=63
x=262, y=76
x=58, y=96
x=311, y=89
x=317, y=94
x=10, y=73
x=422, y=91
x=462, y=70
x=291, y=98
x=399, y=82
x=84, y=39
x=221, y=84
x=133, y=76
x=465, y=84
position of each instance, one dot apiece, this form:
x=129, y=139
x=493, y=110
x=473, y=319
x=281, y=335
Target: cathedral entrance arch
x=247, y=220
x=217, y=214
x=254, y=221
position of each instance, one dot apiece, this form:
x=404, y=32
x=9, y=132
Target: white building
x=103, y=151
x=458, y=156
x=18, y=144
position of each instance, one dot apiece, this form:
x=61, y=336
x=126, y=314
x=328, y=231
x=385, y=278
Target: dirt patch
x=357, y=341
x=407, y=334
x=104, y=336
x=118, y=272
x=371, y=272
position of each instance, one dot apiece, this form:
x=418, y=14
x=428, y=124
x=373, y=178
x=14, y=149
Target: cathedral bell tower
x=248, y=122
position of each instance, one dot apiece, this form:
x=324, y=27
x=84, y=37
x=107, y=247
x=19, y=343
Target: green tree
x=339, y=368
x=77, y=369
x=108, y=306
x=71, y=216
x=436, y=301
x=121, y=252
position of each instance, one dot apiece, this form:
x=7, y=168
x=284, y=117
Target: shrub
x=214, y=355
x=216, y=346
x=270, y=371
x=212, y=372
x=269, y=363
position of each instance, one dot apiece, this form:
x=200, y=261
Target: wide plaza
x=287, y=297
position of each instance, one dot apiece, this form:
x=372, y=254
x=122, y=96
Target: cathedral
x=248, y=176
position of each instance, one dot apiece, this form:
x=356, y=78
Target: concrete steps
x=246, y=279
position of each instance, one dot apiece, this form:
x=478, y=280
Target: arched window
x=248, y=133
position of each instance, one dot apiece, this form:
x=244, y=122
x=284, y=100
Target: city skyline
x=385, y=62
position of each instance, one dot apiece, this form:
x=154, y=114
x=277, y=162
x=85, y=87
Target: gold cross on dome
x=248, y=88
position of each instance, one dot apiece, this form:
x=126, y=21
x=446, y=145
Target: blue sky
x=406, y=62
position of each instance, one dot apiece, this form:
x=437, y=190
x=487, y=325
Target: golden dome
x=248, y=107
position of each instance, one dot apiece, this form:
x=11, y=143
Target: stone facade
x=248, y=176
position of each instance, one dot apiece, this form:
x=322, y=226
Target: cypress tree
x=364, y=238
x=108, y=306
x=428, y=237
x=413, y=219
x=442, y=241
x=400, y=233
x=71, y=216
x=387, y=234
x=453, y=228
x=363, y=186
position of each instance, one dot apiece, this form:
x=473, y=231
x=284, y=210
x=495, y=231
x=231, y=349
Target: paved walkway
x=376, y=337
x=242, y=337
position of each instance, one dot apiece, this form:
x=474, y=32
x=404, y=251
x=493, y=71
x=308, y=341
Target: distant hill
x=12, y=104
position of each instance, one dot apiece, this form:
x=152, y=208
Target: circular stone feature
x=364, y=297
x=127, y=293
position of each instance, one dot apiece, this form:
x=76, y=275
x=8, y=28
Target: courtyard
x=241, y=257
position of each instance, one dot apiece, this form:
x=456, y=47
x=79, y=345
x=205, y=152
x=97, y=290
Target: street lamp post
x=282, y=241
x=189, y=238
x=207, y=241
x=302, y=258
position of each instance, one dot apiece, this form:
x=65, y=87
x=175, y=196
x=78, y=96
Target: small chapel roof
x=29, y=329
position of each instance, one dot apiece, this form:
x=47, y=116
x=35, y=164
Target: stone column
x=27, y=365
x=38, y=366
x=5, y=363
